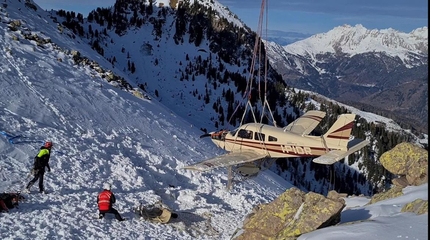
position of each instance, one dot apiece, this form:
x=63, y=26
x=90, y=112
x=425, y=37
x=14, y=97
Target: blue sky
x=305, y=16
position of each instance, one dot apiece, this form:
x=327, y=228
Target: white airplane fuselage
x=255, y=141
x=272, y=141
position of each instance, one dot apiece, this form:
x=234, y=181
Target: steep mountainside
x=193, y=57
x=201, y=45
x=383, y=71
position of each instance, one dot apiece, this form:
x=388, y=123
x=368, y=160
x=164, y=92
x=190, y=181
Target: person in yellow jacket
x=41, y=162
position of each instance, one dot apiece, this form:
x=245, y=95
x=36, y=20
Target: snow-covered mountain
x=411, y=48
x=384, y=71
x=163, y=46
x=101, y=133
x=196, y=64
x=54, y=86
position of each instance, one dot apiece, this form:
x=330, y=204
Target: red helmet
x=48, y=144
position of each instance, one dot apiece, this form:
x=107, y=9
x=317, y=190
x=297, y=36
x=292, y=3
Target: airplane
x=257, y=141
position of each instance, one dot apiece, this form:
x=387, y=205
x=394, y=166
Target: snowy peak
x=368, y=69
x=357, y=39
x=421, y=33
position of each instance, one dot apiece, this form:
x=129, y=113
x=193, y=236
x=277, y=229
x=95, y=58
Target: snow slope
x=104, y=134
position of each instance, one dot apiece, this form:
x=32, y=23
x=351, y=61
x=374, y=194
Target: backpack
x=11, y=200
x=155, y=213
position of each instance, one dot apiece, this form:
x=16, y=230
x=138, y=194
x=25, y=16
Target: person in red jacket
x=105, y=200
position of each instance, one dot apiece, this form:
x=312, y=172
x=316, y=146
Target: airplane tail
x=338, y=135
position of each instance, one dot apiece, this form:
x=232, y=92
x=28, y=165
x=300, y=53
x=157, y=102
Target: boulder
x=400, y=182
x=292, y=214
x=418, y=174
x=407, y=159
x=418, y=206
x=336, y=196
x=395, y=191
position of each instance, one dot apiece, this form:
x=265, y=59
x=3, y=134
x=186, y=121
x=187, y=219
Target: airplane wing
x=225, y=160
x=306, y=123
x=336, y=155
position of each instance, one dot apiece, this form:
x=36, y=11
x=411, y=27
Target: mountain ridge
x=385, y=71
x=103, y=132
x=357, y=39
x=158, y=56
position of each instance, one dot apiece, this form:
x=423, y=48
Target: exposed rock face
x=295, y=213
x=418, y=206
x=407, y=160
x=336, y=196
x=410, y=163
x=292, y=214
x=400, y=182
x=396, y=191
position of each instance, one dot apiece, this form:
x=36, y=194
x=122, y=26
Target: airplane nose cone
x=205, y=135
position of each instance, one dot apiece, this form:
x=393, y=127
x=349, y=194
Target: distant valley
x=284, y=38
x=382, y=71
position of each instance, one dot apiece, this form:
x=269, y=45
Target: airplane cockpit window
x=245, y=134
x=272, y=139
x=259, y=136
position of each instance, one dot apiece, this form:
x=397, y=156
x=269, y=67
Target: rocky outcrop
x=292, y=214
x=400, y=181
x=407, y=160
x=295, y=213
x=418, y=206
x=14, y=25
x=395, y=191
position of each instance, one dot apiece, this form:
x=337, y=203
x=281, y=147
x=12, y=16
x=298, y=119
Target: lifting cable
x=257, y=49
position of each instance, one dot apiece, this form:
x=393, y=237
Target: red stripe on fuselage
x=270, y=147
x=338, y=137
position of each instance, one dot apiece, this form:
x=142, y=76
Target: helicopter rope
x=257, y=49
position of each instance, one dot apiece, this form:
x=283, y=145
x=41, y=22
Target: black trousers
x=38, y=176
x=113, y=211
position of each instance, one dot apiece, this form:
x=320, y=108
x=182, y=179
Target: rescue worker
x=165, y=216
x=105, y=200
x=3, y=207
x=156, y=213
x=41, y=161
x=9, y=201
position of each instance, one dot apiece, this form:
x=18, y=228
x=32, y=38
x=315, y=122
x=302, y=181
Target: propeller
x=205, y=135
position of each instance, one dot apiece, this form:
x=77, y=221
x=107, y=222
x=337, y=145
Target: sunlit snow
x=104, y=134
